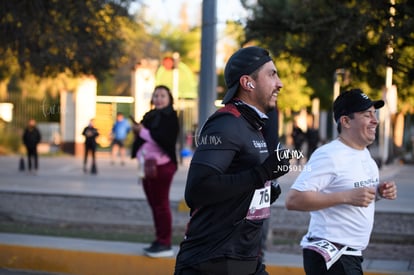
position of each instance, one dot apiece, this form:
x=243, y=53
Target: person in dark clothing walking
x=90, y=133
x=299, y=137
x=312, y=137
x=31, y=138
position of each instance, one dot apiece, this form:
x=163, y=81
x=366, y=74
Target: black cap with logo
x=243, y=62
x=353, y=101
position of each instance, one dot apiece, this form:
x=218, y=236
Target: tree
x=180, y=38
x=186, y=42
x=295, y=94
x=290, y=69
x=136, y=44
x=50, y=37
x=328, y=35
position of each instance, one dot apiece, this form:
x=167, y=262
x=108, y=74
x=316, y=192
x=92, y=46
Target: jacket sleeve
x=214, y=173
x=205, y=185
x=166, y=134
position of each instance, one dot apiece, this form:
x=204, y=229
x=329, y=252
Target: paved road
x=64, y=175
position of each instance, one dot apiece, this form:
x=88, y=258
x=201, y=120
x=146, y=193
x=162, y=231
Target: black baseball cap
x=243, y=62
x=353, y=101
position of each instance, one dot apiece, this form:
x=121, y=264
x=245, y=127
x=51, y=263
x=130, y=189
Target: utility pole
x=208, y=79
x=336, y=91
x=385, y=133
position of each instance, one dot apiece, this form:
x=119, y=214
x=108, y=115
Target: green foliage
x=234, y=36
x=328, y=35
x=186, y=43
x=295, y=94
x=50, y=37
x=136, y=45
x=184, y=40
x=8, y=65
x=187, y=85
x=47, y=44
x=10, y=139
x=291, y=70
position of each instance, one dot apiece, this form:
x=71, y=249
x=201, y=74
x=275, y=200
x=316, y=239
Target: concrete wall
x=78, y=107
x=142, y=86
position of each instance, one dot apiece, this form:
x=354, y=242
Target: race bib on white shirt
x=260, y=205
x=328, y=250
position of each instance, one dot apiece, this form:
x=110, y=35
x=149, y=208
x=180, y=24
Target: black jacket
x=31, y=137
x=163, y=126
x=90, y=134
x=220, y=187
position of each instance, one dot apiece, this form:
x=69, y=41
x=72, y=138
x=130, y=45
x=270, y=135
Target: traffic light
x=171, y=62
x=168, y=63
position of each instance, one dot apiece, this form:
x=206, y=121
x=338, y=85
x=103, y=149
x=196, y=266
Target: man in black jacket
x=90, y=133
x=229, y=187
x=31, y=138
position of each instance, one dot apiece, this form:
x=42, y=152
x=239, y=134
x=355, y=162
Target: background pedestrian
x=90, y=133
x=119, y=134
x=156, y=138
x=31, y=138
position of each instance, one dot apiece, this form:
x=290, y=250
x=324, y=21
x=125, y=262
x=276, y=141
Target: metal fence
x=45, y=111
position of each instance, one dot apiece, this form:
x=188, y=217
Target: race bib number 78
x=260, y=204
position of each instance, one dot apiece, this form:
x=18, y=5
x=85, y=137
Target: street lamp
x=389, y=96
x=336, y=91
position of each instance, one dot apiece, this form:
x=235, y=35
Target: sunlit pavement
x=64, y=175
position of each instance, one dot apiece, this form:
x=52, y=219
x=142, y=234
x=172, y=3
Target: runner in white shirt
x=339, y=187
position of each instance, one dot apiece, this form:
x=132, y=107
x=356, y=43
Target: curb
x=95, y=263
x=88, y=257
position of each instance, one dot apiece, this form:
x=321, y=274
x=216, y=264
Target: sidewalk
x=89, y=257
x=63, y=175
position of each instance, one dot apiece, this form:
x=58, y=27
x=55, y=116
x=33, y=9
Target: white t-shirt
x=332, y=168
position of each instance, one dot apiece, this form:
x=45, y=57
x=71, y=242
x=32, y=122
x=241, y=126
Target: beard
x=270, y=107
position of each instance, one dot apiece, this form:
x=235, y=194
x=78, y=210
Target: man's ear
x=345, y=121
x=246, y=83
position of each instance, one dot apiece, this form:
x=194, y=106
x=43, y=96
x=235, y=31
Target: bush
x=10, y=140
